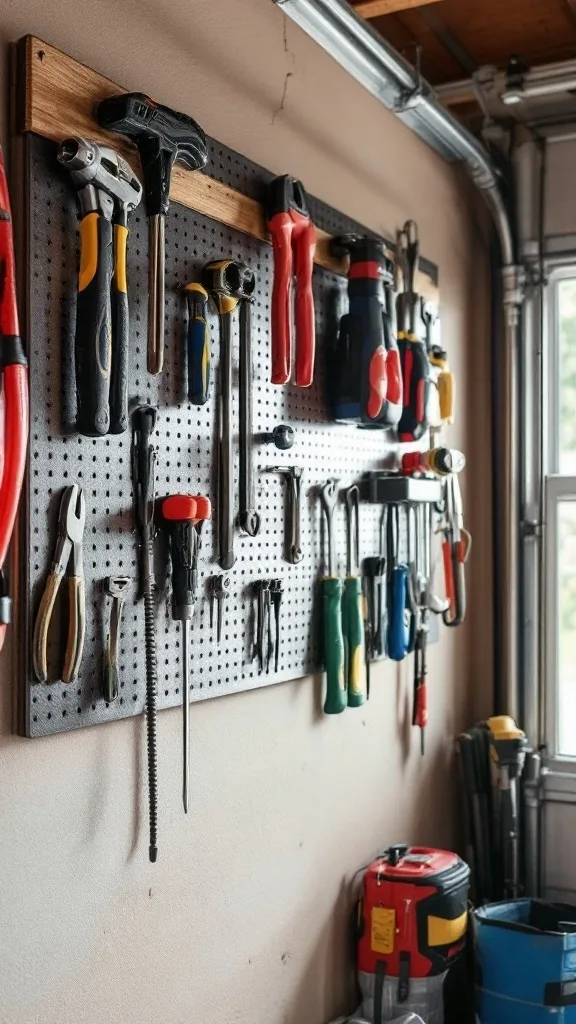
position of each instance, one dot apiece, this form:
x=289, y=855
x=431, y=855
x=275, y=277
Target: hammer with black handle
x=161, y=136
x=107, y=192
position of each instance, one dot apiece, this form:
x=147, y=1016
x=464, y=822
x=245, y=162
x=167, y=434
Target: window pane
x=567, y=628
x=566, y=296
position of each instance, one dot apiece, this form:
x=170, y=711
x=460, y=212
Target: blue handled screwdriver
x=198, y=343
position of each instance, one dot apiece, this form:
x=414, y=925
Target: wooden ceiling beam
x=378, y=8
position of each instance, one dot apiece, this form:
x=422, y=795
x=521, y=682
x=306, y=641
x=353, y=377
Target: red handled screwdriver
x=183, y=517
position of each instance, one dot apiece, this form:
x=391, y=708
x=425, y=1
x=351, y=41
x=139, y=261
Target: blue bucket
x=526, y=963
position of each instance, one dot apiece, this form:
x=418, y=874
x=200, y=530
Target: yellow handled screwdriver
x=353, y=605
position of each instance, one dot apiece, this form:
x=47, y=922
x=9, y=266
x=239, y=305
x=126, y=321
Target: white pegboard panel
x=185, y=463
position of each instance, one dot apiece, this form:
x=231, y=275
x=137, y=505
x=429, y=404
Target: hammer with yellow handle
x=107, y=192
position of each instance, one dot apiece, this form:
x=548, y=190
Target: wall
x=243, y=918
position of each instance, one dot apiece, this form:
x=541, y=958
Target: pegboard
x=184, y=441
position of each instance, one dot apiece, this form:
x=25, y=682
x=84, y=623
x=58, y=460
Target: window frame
x=558, y=488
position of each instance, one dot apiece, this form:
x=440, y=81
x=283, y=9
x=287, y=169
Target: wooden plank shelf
x=59, y=98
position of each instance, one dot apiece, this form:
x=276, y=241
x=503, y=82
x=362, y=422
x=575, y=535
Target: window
x=565, y=329
x=560, y=547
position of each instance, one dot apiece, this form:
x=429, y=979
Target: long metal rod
x=156, y=271
x=226, y=490
x=248, y=518
x=186, y=713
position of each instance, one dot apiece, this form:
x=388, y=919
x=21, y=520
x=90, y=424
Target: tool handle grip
x=76, y=629
x=398, y=628
x=416, y=388
x=111, y=683
x=40, y=639
x=353, y=626
x=93, y=344
x=445, y=385
x=120, y=335
x=304, y=248
x=198, y=342
x=280, y=227
x=336, y=696
x=420, y=713
x=16, y=421
x=454, y=555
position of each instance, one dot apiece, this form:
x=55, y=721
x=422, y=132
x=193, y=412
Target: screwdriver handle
x=353, y=627
x=93, y=341
x=336, y=696
x=455, y=554
x=198, y=342
x=182, y=514
x=445, y=385
x=398, y=635
x=416, y=386
x=420, y=713
x=120, y=335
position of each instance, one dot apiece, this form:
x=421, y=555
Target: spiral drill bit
x=143, y=463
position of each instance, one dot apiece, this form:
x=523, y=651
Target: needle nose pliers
x=68, y=549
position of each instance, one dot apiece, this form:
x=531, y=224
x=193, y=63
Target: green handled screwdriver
x=336, y=695
x=353, y=605
x=198, y=342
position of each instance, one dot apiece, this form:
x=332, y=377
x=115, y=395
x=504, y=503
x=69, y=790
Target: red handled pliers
x=293, y=241
x=14, y=398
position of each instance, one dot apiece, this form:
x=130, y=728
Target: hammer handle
x=120, y=335
x=93, y=343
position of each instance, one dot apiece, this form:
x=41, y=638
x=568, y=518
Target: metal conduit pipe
x=357, y=47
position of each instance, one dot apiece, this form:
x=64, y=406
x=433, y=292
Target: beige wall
x=243, y=917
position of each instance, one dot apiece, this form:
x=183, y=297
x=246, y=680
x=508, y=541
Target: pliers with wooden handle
x=68, y=549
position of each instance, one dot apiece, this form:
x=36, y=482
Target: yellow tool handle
x=93, y=340
x=353, y=631
x=41, y=626
x=76, y=629
x=446, y=387
x=120, y=335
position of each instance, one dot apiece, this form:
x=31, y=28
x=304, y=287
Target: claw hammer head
x=102, y=168
x=162, y=136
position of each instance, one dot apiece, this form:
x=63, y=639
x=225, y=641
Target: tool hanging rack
x=213, y=214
